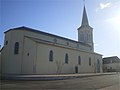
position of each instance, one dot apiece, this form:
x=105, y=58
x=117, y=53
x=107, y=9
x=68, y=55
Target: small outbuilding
x=111, y=64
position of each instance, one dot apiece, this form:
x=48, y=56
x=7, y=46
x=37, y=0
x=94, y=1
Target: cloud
x=103, y=6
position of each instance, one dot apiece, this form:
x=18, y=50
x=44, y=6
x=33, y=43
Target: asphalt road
x=84, y=83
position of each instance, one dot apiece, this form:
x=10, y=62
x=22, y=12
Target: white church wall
x=98, y=57
x=44, y=66
x=29, y=56
x=11, y=63
x=15, y=59
x=5, y=53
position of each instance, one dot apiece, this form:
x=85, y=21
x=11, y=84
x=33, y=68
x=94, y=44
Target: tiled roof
x=113, y=59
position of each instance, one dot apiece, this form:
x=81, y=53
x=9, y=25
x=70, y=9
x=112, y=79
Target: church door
x=98, y=66
x=76, y=69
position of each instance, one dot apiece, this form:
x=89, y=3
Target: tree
x=59, y=66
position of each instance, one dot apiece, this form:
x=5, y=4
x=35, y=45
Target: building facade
x=111, y=64
x=30, y=51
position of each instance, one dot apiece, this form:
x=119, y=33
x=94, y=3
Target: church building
x=30, y=51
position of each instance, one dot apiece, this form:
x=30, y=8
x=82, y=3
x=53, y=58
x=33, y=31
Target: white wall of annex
x=29, y=57
x=113, y=65
x=5, y=54
x=11, y=63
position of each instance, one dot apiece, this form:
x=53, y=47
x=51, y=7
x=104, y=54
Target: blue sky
x=63, y=17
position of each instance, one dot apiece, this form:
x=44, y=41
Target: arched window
x=66, y=58
x=6, y=43
x=89, y=61
x=51, y=55
x=98, y=61
x=16, y=48
x=79, y=60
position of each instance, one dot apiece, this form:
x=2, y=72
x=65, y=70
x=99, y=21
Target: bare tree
x=59, y=66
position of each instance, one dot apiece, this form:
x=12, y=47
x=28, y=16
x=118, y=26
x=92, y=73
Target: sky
x=63, y=17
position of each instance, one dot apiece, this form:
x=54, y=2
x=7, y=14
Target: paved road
x=85, y=83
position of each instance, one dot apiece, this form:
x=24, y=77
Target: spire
x=84, y=18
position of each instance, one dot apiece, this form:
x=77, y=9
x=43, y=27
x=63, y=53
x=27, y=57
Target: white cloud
x=103, y=6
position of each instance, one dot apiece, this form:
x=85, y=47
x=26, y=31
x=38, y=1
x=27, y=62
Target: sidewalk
x=114, y=87
x=51, y=77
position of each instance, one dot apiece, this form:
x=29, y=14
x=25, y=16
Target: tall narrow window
x=79, y=60
x=16, y=48
x=51, y=55
x=6, y=43
x=98, y=61
x=66, y=58
x=89, y=61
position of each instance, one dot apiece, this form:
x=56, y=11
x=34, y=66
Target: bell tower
x=85, y=32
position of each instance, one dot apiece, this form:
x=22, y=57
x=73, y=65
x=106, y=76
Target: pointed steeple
x=85, y=32
x=84, y=18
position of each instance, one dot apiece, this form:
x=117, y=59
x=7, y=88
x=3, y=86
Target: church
x=30, y=51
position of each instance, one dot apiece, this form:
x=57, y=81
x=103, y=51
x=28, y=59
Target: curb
x=48, y=78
